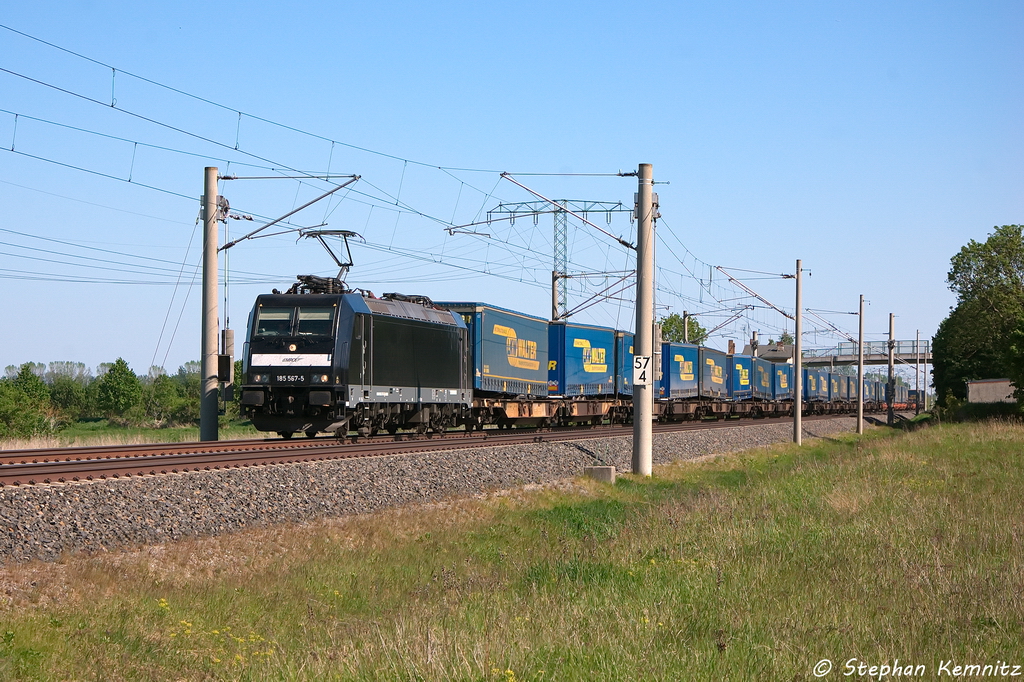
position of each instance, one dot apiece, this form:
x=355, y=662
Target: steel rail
x=65, y=465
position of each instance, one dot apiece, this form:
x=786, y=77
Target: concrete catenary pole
x=686, y=327
x=890, y=385
x=860, y=368
x=917, y=374
x=798, y=379
x=208, y=400
x=643, y=395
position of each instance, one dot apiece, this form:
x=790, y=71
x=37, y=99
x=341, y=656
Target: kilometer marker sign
x=641, y=370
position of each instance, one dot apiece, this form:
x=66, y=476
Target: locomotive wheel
x=311, y=433
x=285, y=434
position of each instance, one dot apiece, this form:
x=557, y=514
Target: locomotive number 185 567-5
x=290, y=377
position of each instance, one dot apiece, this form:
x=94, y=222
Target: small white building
x=990, y=391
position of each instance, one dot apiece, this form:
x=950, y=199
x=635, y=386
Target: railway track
x=62, y=465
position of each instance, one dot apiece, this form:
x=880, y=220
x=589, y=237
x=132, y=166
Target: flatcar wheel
x=285, y=434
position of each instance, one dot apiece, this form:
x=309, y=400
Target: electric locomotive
x=323, y=358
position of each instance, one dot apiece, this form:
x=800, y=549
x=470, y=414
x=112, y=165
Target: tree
x=976, y=340
x=672, y=329
x=119, y=389
x=76, y=371
x=69, y=397
x=27, y=380
x=25, y=405
x=161, y=400
x=37, y=368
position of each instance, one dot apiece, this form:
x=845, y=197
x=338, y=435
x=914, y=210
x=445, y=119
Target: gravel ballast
x=44, y=521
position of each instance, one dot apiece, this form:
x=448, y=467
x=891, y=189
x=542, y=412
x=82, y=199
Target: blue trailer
x=678, y=378
x=761, y=385
x=782, y=383
x=741, y=372
x=851, y=387
x=581, y=360
x=815, y=385
x=509, y=349
x=713, y=369
x=623, y=363
x=838, y=388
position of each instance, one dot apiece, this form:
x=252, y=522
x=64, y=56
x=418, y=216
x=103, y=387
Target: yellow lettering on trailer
x=521, y=353
x=685, y=368
x=717, y=375
x=594, y=359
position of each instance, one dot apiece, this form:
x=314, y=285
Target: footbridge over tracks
x=875, y=353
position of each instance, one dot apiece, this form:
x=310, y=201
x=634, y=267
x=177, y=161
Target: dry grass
x=113, y=436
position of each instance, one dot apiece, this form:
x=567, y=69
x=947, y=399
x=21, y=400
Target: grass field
x=747, y=567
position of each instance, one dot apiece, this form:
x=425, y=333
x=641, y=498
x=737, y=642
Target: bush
x=69, y=397
x=23, y=415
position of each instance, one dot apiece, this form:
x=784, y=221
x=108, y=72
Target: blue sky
x=871, y=140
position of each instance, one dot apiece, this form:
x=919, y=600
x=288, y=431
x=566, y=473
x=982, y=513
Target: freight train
x=322, y=358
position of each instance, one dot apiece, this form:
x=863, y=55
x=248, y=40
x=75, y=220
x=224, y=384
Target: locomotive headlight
x=261, y=379
x=320, y=378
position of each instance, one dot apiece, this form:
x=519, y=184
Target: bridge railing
x=912, y=347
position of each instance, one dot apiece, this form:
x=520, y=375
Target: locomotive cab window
x=274, y=322
x=315, y=322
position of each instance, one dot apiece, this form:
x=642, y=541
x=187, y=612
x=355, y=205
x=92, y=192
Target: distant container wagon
x=782, y=383
x=815, y=385
x=678, y=378
x=740, y=374
x=713, y=367
x=838, y=388
x=509, y=349
x=851, y=387
x=761, y=384
x=581, y=360
x=880, y=392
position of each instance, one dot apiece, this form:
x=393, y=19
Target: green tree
x=69, y=397
x=976, y=340
x=119, y=390
x=161, y=402
x=28, y=381
x=672, y=329
x=25, y=409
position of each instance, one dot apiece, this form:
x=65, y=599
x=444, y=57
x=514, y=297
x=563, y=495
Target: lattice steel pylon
x=560, y=261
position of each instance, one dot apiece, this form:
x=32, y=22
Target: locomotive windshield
x=274, y=322
x=307, y=321
x=315, y=322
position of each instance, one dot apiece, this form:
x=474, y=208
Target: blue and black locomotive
x=337, y=361
x=321, y=358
